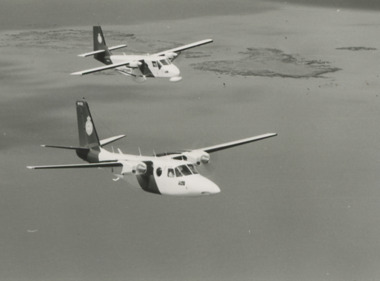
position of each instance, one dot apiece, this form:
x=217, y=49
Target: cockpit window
x=177, y=173
x=193, y=169
x=164, y=62
x=154, y=63
x=184, y=170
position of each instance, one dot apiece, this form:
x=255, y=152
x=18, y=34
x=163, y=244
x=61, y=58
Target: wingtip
x=209, y=40
x=30, y=167
x=269, y=135
x=76, y=73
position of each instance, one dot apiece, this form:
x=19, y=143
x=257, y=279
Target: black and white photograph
x=195, y=140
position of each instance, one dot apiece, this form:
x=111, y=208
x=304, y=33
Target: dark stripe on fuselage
x=147, y=181
x=90, y=155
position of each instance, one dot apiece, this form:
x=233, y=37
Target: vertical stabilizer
x=100, y=44
x=88, y=137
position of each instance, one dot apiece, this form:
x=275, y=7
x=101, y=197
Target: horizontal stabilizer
x=65, y=147
x=97, y=69
x=91, y=53
x=117, y=47
x=110, y=140
x=102, y=51
x=236, y=143
x=71, y=166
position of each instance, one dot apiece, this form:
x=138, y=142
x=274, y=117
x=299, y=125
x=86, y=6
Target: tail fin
x=100, y=44
x=88, y=137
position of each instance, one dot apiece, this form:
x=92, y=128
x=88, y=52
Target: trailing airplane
x=172, y=173
x=140, y=67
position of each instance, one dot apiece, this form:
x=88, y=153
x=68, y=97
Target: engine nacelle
x=134, y=168
x=197, y=157
x=135, y=64
x=171, y=56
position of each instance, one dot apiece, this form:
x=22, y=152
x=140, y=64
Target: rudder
x=88, y=137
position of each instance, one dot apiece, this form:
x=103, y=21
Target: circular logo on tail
x=89, y=126
x=100, y=39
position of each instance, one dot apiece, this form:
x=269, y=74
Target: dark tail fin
x=100, y=44
x=88, y=137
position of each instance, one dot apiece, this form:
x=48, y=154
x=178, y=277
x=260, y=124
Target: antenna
x=154, y=153
x=139, y=150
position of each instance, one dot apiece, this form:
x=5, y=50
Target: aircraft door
x=153, y=67
x=147, y=181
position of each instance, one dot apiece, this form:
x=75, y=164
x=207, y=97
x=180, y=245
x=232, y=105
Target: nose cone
x=174, y=70
x=200, y=185
x=210, y=188
x=174, y=73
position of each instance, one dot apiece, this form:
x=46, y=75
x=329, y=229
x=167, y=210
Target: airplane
x=139, y=67
x=171, y=173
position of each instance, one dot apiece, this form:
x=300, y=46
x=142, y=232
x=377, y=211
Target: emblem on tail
x=89, y=126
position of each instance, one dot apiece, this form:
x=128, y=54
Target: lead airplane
x=140, y=67
x=172, y=173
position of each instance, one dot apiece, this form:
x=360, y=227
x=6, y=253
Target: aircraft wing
x=71, y=166
x=185, y=47
x=97, y=69
x=226, y=145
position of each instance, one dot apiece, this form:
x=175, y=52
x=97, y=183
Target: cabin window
x=154, y=63
x=159, y=172
x=170, y=173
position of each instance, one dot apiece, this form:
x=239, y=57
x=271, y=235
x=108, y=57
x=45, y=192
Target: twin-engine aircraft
x=140, y=67
x=173, y=173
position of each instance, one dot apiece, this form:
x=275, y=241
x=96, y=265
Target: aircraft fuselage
x=151, y=66
x=160, y=175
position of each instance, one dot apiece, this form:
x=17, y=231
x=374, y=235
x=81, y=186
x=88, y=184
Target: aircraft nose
x=214, y=189
x=209, y=188
x=174, y=74
x=197, y=185
x=175, y=70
